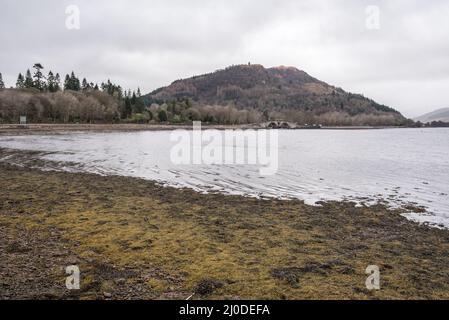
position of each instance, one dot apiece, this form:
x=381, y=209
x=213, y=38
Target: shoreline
x=135, y=239
x=45, y=128
x=123, y=127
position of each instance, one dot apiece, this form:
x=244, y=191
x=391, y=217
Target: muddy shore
x=134, y=239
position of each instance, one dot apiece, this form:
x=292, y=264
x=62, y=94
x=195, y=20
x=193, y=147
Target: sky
x=395, y=52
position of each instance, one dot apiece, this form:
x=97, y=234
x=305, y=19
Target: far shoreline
x=49, y=128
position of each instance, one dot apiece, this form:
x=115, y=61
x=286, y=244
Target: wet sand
x=134, y=239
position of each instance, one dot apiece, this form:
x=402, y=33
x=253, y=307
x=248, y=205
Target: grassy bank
x=134, y=239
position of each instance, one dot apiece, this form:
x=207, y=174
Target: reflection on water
x=397, y=165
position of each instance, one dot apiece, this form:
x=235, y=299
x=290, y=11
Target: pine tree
x=139, y=107
x=67, y=85
x=133, y=99
x=57, y=82
x=28, y=80
x=38, y=77
x=85, y=85
x=127, y=110
x=72, y=82
x=75, y=82
x=109, y=87
x=2, y=84
x=20, y=84
x=51, y=82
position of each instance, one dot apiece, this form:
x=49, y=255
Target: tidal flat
x=135, y=239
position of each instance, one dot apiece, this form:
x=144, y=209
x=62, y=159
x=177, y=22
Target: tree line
x=34, y=90
x=52, y=82
x=46, y=99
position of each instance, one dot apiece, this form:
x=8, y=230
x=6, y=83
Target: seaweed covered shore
x=134, y=239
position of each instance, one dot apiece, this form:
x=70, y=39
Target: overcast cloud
x=148, y=44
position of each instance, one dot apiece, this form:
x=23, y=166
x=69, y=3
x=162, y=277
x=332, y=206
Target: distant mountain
x=437, y=115
x=271, y=89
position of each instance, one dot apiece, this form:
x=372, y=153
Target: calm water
x=398, y=165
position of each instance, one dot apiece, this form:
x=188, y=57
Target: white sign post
x=23, y=120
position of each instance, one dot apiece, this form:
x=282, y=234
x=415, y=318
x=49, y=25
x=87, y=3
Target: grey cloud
x=150, y=43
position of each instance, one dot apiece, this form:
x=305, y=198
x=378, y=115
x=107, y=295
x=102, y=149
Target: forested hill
x=277, y=91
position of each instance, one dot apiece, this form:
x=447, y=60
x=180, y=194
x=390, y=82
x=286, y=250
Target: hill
x=279, y=92
x=437, y=115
